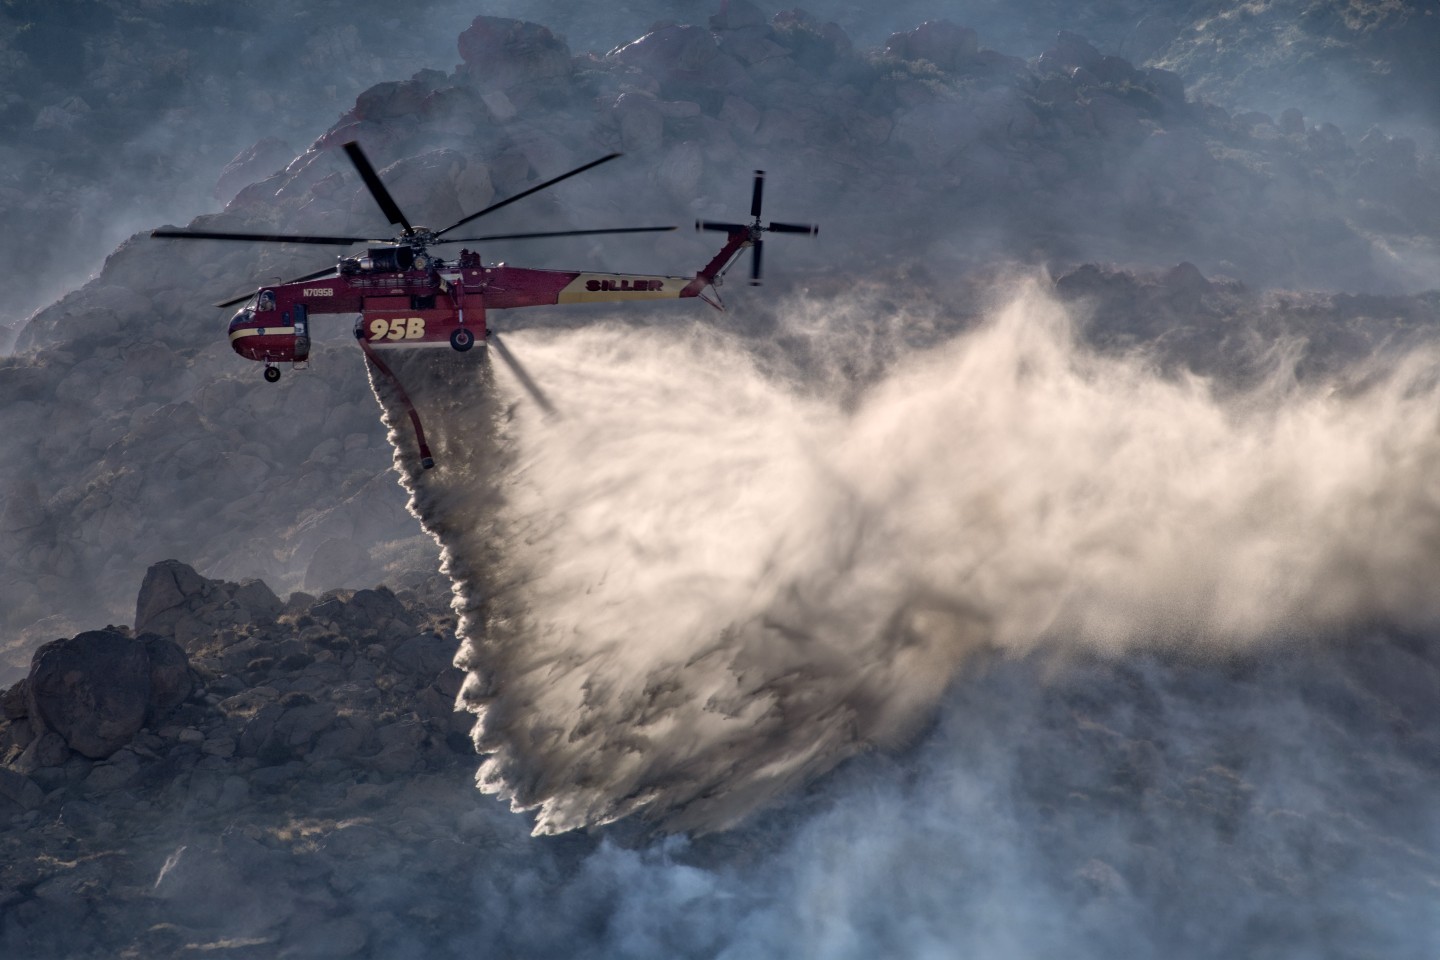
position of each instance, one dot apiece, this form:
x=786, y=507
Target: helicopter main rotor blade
x=264, y=237
x=721, y=226
x=309, y=276
x=525, y=193
x=755, y=250
x=521, y=373
x=388, y=206
x=554, y=233
x=757, y=194
x=806, y=228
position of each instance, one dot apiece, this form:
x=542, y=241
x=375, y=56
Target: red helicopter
x=407, y=297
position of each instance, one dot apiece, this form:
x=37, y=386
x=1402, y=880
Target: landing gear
x=271, y=373
x=462, y=339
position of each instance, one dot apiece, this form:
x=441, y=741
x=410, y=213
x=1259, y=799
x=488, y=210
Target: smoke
x=703, y=582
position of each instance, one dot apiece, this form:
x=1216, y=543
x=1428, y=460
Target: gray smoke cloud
x=701, y=583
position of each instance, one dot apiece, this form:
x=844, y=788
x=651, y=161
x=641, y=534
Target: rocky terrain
x=233, y=734
x=1070, y=157
x=295, y=784
x=239, y=774
x=139, y=118
x=1360, y=62
x=115, y=114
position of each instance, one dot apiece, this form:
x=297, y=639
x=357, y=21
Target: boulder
x=93, y=690
x=177, y=603
x=256, y=597
x=12, y=702
x=371, y=608
x=1070, y=51
x=48, y=750
x=171, y=679
x=945, y=44
x=163, y=595
x=389, y=100
x=20, y=789
x=670, y=48
x=507, y=54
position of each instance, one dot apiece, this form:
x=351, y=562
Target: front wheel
x=462, y=339
x=272, y=374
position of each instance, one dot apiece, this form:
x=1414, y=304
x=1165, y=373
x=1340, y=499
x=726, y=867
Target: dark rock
x=163, y=595
x=947, y=45
x=424, y=656
x=171, y=679
x=258, y=599
x=258, y=732
x=386, y=101
x=1168, y=86
x=299, y=602
x=374, y=607
x=117, y=772
x=1114, y=70
x=400, y=746
x=20, y=789
x=509, y=54
x=12, y=703
x=1070, y=51
x=999, y=66
x=47, y=750
x=1185, y=277
x=93, y=690
x=1327, y=142
x=673, y=48
x=298, y=726
x=321, y=937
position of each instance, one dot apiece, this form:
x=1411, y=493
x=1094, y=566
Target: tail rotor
x=755, y=229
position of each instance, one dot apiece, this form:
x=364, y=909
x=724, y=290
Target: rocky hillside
x=1356, y=63
x=246, y=767
x=116, y=114
x=131, y=432
x=286, y=779
x=275, y=732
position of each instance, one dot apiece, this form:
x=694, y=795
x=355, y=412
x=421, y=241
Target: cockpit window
x=267, y=300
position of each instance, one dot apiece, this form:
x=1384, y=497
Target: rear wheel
x=272, y=374
x=462, y=339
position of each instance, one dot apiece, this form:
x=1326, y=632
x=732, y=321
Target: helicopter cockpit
x=260, y=332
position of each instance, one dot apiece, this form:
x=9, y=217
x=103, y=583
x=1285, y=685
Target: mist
x=697, y=586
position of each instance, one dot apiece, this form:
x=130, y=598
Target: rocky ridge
x=928, y=159
x=276, y=730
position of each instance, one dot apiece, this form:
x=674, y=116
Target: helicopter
x=407, y=297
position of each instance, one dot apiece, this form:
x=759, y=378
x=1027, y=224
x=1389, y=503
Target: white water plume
x=696, y=587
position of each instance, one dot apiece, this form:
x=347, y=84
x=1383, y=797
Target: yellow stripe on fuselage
x=415, y=344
